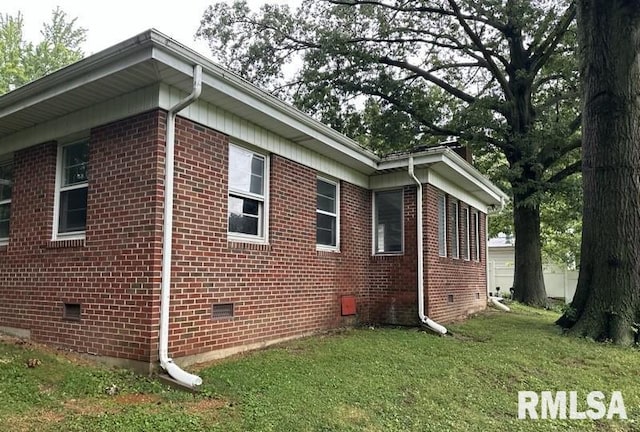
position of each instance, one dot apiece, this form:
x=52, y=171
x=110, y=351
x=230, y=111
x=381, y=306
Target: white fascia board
x=183, y=59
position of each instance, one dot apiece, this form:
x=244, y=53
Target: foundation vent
x=222, y=310
x=72, y=311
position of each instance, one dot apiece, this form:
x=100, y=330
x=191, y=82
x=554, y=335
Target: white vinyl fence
x=559, y=282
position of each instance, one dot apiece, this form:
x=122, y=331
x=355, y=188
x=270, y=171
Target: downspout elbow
x=495, y=301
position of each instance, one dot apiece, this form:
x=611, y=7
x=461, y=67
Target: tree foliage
x=22, y=61
x=499, y=75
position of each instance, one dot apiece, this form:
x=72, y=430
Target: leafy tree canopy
x=499, y=75
x=22, y=61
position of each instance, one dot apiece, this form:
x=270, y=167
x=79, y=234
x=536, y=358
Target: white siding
x=242, y=130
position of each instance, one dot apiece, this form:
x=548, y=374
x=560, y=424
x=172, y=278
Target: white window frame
x=322, y=247
x=455, y=241
x=467, y=232
x=5, y=240
x=476, y=228
x=374, y=224
x=442, y=219
x=263, y=212
x=59, y=189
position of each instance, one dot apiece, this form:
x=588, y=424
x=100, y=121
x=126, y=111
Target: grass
x=381, y=379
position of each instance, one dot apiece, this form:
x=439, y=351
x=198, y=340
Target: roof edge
x=441, y=154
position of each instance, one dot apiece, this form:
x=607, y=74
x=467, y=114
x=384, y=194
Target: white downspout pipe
x=495, y=301
x=183, y=377
x=438, y=328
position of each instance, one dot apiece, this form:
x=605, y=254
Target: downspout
x=420, y=246
x=183, y=377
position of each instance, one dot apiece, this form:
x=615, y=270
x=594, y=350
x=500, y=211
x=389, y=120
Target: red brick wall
x=464, y=280
x=393, y=278
x=114, y=275
x=282, y=289
x=285, y=288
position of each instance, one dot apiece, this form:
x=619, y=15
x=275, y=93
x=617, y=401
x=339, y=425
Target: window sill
x=327, y=249
x=242, y=244
x=66, y=243
x=382, y=256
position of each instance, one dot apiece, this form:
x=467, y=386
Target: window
x=388, y=221
x=466, y=226
x=247, y=186
x=6, y=184
x=455, y=231
x=72, y=192
x=442, y=225
x=327, y=221
x=476, y=234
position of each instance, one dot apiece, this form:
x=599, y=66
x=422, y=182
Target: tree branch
x=552, y=153
x=407, y=108
x=421, y=9
x=493, y=68
x=547, y=47
x=574, y=168
x=430, y=77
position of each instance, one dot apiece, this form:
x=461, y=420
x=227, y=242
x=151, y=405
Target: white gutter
x=420, y=246
x=183, y=377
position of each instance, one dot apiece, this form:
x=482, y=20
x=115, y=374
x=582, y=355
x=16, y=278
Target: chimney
x=461, y=150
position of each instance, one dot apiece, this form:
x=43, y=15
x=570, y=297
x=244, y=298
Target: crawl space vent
x=222, y=310
x=72, y=311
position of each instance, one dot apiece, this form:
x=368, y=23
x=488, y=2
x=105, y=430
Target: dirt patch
x=32, y=421
x=59, y=352
x=88, y=407
x=137, y=399
x=352, y=414
x=205, y=405
x=112, y=405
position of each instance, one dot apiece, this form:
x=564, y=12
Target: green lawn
x=381, y=379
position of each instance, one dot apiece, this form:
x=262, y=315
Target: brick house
x=276, y=226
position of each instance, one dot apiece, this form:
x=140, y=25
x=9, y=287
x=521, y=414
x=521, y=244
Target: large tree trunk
x=528, y=281
x=607, y=301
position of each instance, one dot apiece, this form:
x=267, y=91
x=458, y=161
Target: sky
x=113, y=21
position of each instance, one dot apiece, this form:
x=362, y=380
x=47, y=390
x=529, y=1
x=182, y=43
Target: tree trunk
x=528, y=281
x=607, y=301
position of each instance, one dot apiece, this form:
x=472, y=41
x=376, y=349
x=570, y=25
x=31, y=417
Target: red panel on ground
x=348, y=305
